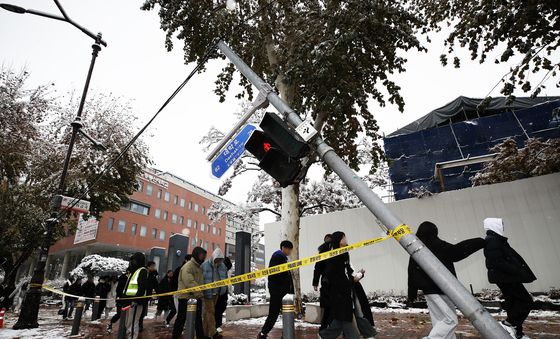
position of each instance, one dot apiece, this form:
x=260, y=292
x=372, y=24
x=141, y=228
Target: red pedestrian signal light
x=278, y=149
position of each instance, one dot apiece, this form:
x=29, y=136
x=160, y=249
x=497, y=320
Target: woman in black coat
x=340, y=289
x=508, y=270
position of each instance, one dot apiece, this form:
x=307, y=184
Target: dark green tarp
x=469, y=107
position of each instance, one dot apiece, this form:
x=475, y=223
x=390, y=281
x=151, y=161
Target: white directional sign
x=81, y=206
x=87, y=229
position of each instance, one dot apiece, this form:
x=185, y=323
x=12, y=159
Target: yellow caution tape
x=397, y=233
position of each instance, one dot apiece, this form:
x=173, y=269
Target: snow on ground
x=35, y=333
x=260, y=322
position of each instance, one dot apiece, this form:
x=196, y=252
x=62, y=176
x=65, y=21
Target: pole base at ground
x=29, y=313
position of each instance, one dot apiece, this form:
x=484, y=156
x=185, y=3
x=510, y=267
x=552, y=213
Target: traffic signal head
x=278, y=149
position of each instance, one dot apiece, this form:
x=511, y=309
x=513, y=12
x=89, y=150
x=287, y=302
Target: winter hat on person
x=197, y=253
x=495, y=225
x=217, y=254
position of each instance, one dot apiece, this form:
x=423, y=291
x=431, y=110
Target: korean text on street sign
x=231, y=152
x=81, y=206
x=306, y=130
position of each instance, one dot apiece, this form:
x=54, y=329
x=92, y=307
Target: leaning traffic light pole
x=471, y=308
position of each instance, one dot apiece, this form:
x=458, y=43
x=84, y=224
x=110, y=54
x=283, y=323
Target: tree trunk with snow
x=290, y=231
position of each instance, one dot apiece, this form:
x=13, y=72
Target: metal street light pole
x=471, y=308
x=30, y=307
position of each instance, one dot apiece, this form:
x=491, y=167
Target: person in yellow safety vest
x=135, y=287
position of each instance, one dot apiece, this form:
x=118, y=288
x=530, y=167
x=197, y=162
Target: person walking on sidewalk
x=136, y=287
x=278, y=285
x=221, y=303
x=213, y=270
x=174, y=286
x=165, y=302
x=508, y=270
x=151, y=286
x=190, y=276
x=344, y=303
x=320, y=277
x=442, y=310
x=119, y=293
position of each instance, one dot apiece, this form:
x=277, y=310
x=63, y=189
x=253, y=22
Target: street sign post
x=231, y=152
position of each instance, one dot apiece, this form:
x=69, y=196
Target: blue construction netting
x=412, y=157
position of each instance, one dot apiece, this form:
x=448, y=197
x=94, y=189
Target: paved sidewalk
x=400, y=324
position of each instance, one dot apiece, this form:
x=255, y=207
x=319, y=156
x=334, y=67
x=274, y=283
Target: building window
x=174, y=218
x=149, y=189
x=110, y=223
x=206, y=245
x=122, y=226
x=137, y=207
x=214, y=230
x=219, y=231
x=181, y=220
x=190, y=205
x=133, y=229
x=154, y=233
x=140, y=185
x=157, y=213
x=202, y=227
x=159, y=193
x=143, y=231
x=195, y=224
x=203, y=210
x=196, y=207
x=213, y=247
x=166, y=197
x=193, y=242
x=189, y=223
x=162, y=235
x=165, y=214
x=175, y=200
x=182, y=202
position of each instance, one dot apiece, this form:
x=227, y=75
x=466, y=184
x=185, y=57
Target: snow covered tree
x=92, y=265
x=527, y=28
x=327, y=59
x=511, y=163
x=34, y=132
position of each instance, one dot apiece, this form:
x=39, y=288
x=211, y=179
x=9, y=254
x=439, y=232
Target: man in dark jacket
x=508, y=270
x=101, y=290
x=164, y=303
x=278, y=285
x=319, y=276
x=88, y=291
x=73, y=287
x=442, y=309
x=136, y=286
x=151, y=286
x=221, y=303
x=121, y=284
x=174, y=285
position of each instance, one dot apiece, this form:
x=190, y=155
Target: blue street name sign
x=232, y=152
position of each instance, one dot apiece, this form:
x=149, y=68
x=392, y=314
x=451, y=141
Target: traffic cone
x=2, y=312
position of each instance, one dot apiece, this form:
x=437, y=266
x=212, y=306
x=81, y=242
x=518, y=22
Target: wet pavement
x=401, y=324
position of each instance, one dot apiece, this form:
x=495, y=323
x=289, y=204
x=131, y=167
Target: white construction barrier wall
x=530, y=209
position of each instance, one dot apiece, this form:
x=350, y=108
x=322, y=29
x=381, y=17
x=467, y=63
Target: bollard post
x=288, y=317
x=78, y=316
x=191, y=318
x=122, y=322
x=95, y=309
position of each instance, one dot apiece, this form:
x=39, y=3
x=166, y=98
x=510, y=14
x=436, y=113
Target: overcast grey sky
x=136, y=65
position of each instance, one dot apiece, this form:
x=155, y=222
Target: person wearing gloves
x=508, y=270
x=213, y=270
x=190, y=276
x=442, y=310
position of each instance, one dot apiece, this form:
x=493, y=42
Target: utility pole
x=471, y=308
x=30, y=307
